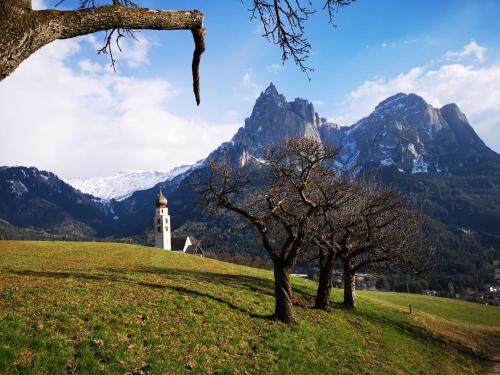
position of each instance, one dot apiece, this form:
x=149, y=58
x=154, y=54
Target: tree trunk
x=327, y=264
x=283, y=294
x=349, y=285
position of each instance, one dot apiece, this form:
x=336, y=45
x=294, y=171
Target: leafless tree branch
x=284, y=22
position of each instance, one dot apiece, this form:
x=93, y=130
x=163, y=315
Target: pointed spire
x=161, y=201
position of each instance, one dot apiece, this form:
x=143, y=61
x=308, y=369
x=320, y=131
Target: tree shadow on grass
x=258, y=285
x=251, y=283
x=122, y=279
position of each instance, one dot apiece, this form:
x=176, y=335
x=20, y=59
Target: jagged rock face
x=398, y=132
x=332, y=134
x=464, y=134
x=273, y=119
x=403, y=131
x=406, y=132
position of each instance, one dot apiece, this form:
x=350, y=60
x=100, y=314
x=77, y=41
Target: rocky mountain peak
x=391, y=101
x=453, y=113
x=271, y=90
x=273, y=119
x=268, y=98
x=403, y=131
x=406, y=132
x=408, y=112
x=464, y=135
x=404, y=104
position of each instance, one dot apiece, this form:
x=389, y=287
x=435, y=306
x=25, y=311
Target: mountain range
x=431, y=153
x=123, y=184
x=403, y=131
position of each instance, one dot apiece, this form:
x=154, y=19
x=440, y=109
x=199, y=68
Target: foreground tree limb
x=23, y=31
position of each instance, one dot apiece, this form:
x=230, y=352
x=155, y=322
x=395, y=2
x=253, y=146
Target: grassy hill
x=114, y=308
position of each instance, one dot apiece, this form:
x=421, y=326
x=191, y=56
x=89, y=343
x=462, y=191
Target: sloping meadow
x=114, y=308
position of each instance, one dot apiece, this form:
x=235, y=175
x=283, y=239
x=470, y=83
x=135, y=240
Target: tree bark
x=283, y=293
x=349, y=285
x=323, y=294
x=24, y=31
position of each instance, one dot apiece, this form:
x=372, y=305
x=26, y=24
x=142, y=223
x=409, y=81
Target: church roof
x=161, y=200
x=188, y=244
x=195, y=248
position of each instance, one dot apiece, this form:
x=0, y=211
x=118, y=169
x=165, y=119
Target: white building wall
x=162, y=229
x=187, y=243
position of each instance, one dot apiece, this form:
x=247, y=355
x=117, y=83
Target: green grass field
x=113, y=308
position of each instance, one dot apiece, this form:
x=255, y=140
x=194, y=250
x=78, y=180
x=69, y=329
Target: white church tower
x=162, y=224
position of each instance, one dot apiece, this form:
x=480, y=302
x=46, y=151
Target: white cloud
x=133, y=50
x=475, y=90
x=38, y=4
x=318, y=103
x=90, y=66
x=83, y=120
x=472, y=48
x=232, y=115
x=251, y=88
x=275, y=68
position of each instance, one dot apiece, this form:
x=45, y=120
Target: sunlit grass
x=114, y=308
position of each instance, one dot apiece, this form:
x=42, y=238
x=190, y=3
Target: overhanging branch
x=24, y=31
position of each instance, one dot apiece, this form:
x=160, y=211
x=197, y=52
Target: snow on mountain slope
x=123, y=184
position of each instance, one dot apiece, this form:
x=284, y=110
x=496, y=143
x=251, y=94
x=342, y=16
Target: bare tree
x=376, y=227
x=282, y=209
x=324, y=240
x=24, y=30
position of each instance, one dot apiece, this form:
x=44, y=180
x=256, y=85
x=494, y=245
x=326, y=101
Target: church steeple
x=161, y=201
x=162, y=223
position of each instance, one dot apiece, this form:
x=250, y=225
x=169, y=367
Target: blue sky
x=144, y=116
x=372, y=38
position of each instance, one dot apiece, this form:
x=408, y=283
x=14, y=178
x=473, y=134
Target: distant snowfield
x=123, y=184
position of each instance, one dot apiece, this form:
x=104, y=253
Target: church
x=163, y=236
